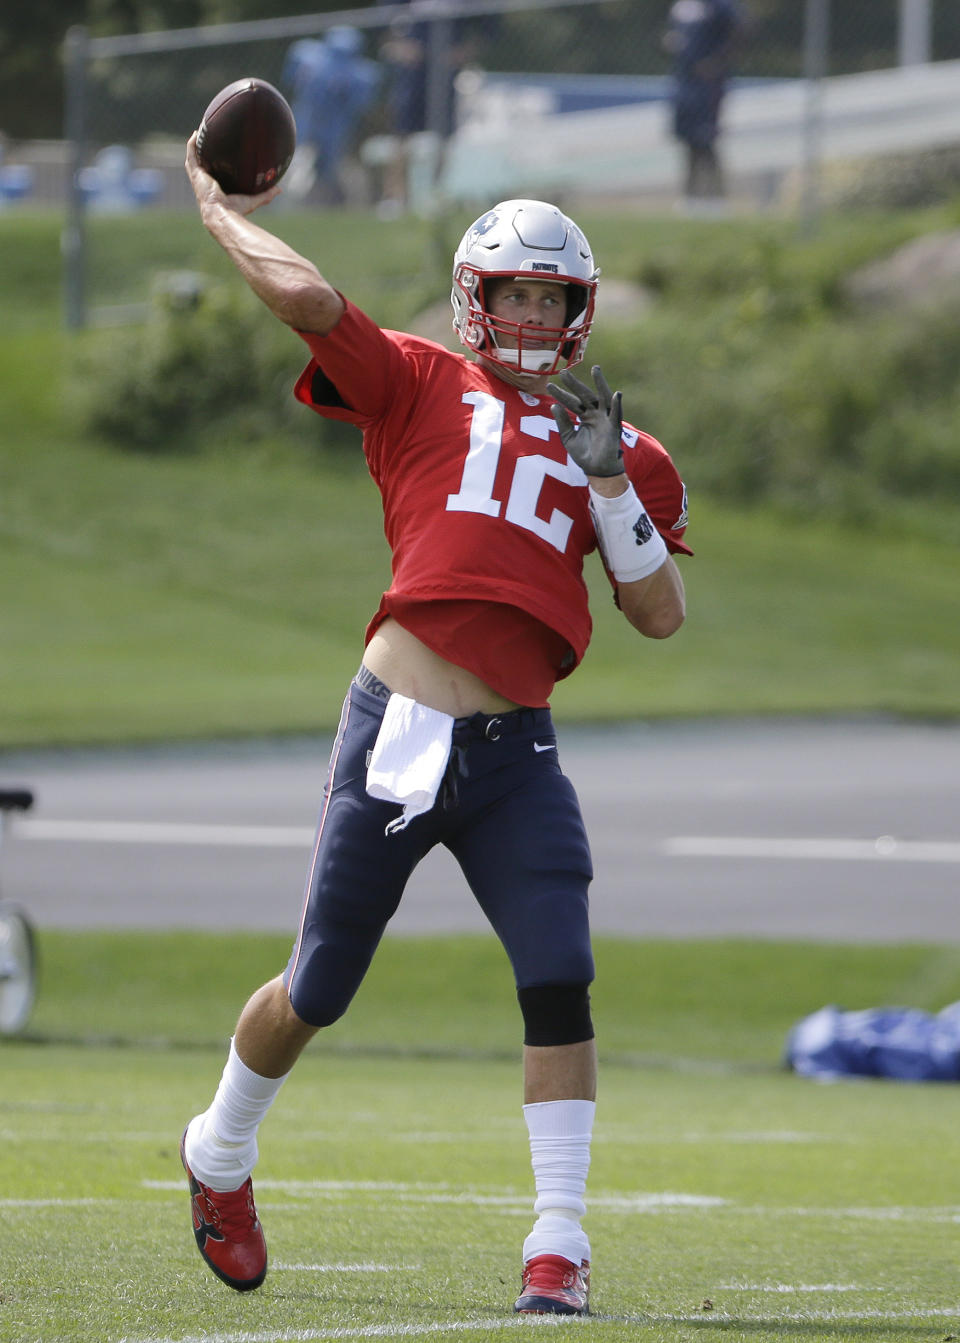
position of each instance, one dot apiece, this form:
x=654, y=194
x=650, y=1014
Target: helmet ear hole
x=576, y=301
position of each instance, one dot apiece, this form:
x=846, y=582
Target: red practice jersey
x=485, y=513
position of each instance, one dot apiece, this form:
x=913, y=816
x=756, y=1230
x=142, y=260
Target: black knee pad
x=556, y=1014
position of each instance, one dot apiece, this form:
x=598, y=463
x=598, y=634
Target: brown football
x=247, y=137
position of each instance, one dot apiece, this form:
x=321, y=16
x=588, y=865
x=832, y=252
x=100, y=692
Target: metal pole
x=816, y=44
x=439, y=47
x=915, y=32
x=74, y=232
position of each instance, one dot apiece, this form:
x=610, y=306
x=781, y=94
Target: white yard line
x=166, y=832
x=12, y=1203
x=790, y=1316
x=389, y=1331
x=789, y=1288
x=424, y=1195
x=638, y=1202
x=367, y=1331
x=344, y=1268
x=324, y=1186
x=885, y=848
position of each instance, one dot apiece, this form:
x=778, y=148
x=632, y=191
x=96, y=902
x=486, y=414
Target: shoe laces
x=234, y=1212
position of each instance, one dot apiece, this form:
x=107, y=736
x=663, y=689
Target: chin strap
x=529, y=361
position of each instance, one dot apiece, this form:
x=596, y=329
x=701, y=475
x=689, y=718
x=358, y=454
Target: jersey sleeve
x=658, y=484
x=354, y=372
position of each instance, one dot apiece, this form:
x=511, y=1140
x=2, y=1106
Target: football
x=247, y=137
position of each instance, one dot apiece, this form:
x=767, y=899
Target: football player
x=496, y=482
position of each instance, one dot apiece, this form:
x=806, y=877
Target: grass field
x=728, y=1200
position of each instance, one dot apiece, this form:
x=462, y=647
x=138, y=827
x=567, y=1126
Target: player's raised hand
x=594, y=443
x=208, y=190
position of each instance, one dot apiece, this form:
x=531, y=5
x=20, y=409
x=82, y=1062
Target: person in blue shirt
x=422, y=59
x=702, y=37
x=332, y=85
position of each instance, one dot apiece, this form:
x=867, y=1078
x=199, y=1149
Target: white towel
x=409, y=757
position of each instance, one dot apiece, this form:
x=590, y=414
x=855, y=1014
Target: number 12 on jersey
x=475, y=494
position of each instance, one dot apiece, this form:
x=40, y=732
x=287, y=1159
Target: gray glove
x=594, y=443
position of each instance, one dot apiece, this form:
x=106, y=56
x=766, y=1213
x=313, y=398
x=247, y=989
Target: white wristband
x=630, y=543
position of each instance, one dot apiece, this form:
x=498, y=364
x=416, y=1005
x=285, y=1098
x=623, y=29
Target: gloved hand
x=594, y=443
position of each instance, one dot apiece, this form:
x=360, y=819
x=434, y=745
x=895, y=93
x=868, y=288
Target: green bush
x=752, y=367
x=903, y=181
x=197, y=372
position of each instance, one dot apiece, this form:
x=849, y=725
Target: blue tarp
x=899, y=1042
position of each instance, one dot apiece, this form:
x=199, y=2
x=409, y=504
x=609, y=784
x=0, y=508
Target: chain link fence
x=456, y=103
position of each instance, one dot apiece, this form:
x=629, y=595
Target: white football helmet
x=528, y=240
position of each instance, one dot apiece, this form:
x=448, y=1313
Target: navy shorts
x=507, y=813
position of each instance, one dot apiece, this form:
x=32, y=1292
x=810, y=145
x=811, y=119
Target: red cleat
x=553, y=1285
x=228, y=1231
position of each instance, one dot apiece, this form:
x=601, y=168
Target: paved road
x=797, y=829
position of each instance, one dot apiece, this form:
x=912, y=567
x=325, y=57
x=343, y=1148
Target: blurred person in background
x=496, y=483
x=422, y=59
x=703, y=38
x=332, y=85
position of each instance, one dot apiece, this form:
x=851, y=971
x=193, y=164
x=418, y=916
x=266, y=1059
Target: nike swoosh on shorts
x=550, y=746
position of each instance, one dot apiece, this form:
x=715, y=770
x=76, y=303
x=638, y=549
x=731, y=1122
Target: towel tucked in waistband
x=409, y=757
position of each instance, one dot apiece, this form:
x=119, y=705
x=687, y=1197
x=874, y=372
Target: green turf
x=396, y=1193
x=729, y=1200
x=726, y=1002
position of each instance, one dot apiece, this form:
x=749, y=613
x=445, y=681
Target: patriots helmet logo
x=483, y=225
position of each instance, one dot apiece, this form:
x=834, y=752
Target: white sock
x=560, y=1133
x=221, y=1144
